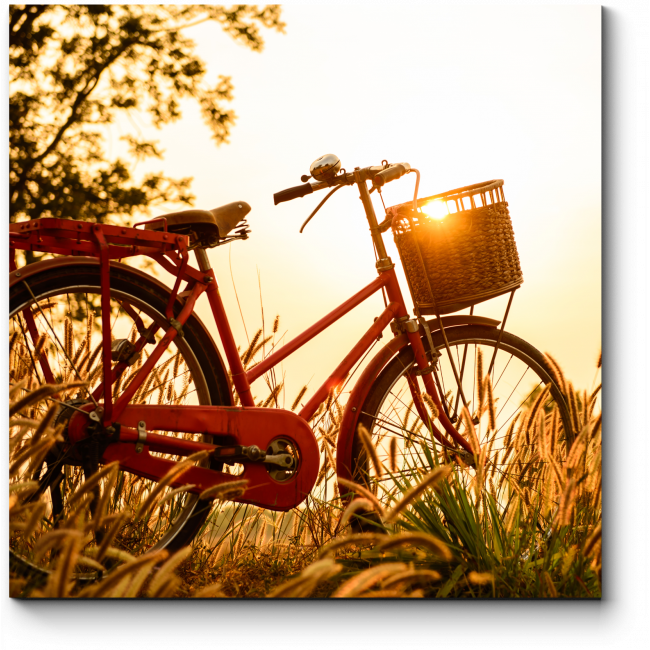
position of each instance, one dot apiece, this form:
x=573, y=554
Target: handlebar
x=292, y=193
x=378, y=174
x=391, y=173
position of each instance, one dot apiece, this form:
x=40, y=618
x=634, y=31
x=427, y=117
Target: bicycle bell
x=325, y=168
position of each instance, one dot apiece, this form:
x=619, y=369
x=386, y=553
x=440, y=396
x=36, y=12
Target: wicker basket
x=466, y=257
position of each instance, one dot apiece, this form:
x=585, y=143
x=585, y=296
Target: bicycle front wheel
x=518, y=375
x=64, y=306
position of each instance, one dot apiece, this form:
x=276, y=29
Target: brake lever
x=319, y=206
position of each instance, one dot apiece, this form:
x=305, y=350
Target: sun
x=436, y=209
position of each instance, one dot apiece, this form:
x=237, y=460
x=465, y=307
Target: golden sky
x=465, y=94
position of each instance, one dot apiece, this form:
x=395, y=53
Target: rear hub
x=81, y=427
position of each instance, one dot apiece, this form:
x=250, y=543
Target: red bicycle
x=157, y=390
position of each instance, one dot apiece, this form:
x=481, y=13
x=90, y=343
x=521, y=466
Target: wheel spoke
x=518, y=408
x=397, y=428
x=516, y=363
x=462, y=371
x=62, y=348
x=64, y=308
x=504, y=370
x=22, y=329
x=410, y=411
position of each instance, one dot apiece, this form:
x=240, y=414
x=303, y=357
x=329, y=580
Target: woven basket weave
x=466, y=257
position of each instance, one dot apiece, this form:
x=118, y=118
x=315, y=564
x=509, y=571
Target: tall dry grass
x=72, y=343
x=75, y=557
x=251, y=550
x=444, y=528
x=449, y=527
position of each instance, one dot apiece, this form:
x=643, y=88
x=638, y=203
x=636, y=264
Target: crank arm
x=240, y=454
x=286, y=461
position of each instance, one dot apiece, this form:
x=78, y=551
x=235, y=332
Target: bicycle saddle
x=208, y=226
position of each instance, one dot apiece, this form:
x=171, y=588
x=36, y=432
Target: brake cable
x=319, y=206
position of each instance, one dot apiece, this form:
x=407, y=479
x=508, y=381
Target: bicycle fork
x=424, y=370
x=412, y=330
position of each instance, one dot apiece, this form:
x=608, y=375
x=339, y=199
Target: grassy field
x=437, y=526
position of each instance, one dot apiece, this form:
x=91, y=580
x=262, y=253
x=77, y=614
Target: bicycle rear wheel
x=519, y=373
x=66, y=309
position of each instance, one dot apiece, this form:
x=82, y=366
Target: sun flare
x=436, y=209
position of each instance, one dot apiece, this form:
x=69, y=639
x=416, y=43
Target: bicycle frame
x=233, y=426
x=395, y=309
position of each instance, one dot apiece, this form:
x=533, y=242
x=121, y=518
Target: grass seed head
x=484, y=578
x=366, y=440
x=230, y=490
x=551, y=591
x=365, y=580
x=364, y=492
x=559, y=375
x=471, y=432
x=433, y=409
x=248, y=353
x=437, y=546
x=492, y=422
x=296, y=402
x=567, y=502
x=436, y=475
x=393, y=455
x=353, y=508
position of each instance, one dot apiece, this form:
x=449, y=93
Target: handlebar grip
x=391, y=174
x=292, y=193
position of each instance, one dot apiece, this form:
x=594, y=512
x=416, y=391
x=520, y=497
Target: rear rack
x=70, y=237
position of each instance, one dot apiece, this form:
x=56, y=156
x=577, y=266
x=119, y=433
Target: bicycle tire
x=381, y=423
x=195, y=349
